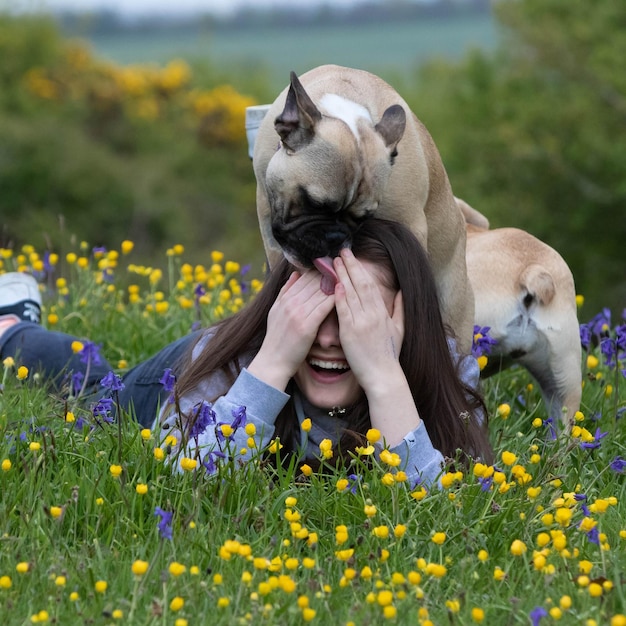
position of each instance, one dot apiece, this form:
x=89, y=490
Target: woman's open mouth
x=328, y=369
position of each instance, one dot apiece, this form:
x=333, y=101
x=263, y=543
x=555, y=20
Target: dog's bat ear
x=296, y=124
x=391, y=127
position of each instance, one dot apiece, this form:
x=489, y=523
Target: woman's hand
x=371, y=330
x=292, y=326
x=371, y=321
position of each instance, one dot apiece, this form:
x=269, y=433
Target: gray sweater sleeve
x=260, y=402
x=421, y=461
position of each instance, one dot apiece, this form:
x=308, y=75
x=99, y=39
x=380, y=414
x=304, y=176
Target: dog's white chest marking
x=346, y=110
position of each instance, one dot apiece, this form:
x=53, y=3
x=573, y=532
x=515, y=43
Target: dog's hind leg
x=555, y=358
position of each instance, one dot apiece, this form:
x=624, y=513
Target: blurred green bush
x=96, y=151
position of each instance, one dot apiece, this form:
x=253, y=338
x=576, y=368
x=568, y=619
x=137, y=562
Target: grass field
x=392, y=49
x=95, y=528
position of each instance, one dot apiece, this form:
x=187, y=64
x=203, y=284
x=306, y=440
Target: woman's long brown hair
x=454, y=415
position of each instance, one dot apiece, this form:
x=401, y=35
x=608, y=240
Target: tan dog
x=524, y=291
x=339, y=145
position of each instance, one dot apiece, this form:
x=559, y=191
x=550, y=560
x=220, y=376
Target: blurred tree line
x=95, y=151
x=532, y=136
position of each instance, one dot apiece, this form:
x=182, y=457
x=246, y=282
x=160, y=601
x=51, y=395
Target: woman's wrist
x=270, y=369
x=393, y=411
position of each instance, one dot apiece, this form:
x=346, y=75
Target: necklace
x=336, y=410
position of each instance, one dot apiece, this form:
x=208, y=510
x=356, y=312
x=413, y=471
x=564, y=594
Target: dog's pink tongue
x=325, y=267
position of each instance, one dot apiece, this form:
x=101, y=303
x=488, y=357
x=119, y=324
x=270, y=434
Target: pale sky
x=167, y=7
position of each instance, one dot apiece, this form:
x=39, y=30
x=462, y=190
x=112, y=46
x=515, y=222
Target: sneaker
x=20, y=297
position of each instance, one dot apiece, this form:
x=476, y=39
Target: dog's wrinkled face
x=316, y=196
x=328, y=174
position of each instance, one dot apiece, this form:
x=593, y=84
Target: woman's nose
x=328, y=332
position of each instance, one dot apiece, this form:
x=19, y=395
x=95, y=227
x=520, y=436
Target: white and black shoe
x=20, y=297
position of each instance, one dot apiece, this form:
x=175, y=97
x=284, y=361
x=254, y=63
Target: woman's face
x=325, y=378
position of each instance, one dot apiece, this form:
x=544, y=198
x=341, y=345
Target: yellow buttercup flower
x=101, y=586
x=176, y=569
x=508, y=458
x=326, y=448
x=139, y=567
x=188, y=464
x=372, y=435
x=127, y=246
x=504, y=410
x=438, y=538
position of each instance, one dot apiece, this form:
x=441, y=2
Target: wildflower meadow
x=96, y=528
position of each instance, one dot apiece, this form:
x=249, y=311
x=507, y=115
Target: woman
x=372, y=354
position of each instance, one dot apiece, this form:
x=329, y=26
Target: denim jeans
x=50, y=354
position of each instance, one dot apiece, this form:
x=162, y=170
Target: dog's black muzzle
x=308, y=239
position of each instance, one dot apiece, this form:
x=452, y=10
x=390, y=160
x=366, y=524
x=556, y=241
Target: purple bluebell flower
x=165, y=523
x=205, y=415
x=240, y=417
x=585, y=336
x=620, y=337
x=536, y=614
x=168, y=380
x=485, y=483
x=76, y=382
x=618, y=464
x=354, y=480
x=103, y=408
x=484, y=343
x=112, y=382
x=550, y=423
x=592, y=445
x=209, y=461
x=90, y=353
x=608, y=347
x=199, y=291
x=245, y=269
x=594, y=535
x=47, y=266
x=99, y=250
x=601, y=322
x=581, y=497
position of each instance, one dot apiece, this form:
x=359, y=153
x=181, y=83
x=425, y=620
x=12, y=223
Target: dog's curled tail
x=536, y=284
